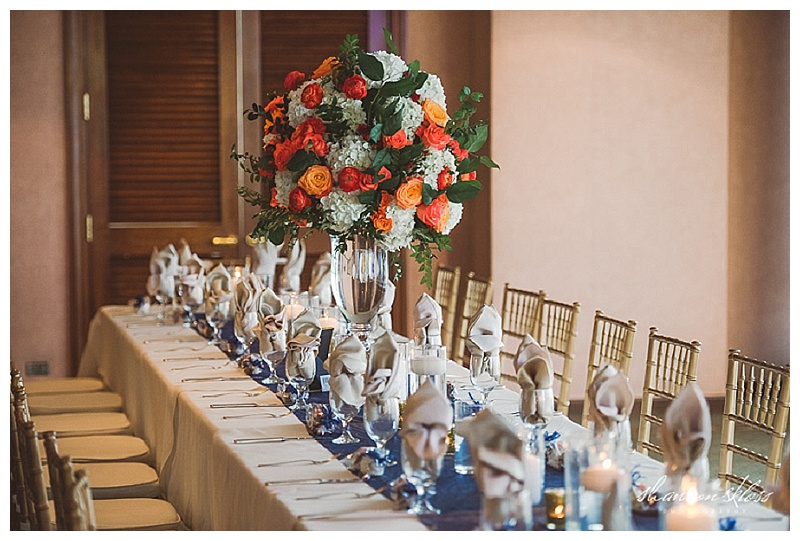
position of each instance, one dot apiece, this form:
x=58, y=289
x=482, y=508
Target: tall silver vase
x=358, y=279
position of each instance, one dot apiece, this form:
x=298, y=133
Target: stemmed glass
x=299, y=377
x=381, y=421
x=218, y=313
x=245, y=340
x=161, y=290
x=345, y=413
x=484, y=373
x=189, y=305
x=423, y=474
x=273, y=360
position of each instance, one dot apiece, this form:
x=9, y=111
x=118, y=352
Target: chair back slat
x=557, y=329
x=519, y=314
x=445, y=292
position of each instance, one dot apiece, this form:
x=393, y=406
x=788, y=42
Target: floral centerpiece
x=365, y=146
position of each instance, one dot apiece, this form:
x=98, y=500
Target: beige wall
x=39, y=274
x=611, y=129
x=758, y=286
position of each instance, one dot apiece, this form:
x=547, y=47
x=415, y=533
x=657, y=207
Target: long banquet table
x=178, y=399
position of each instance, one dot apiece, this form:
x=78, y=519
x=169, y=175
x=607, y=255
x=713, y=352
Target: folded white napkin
x=306, y=323
x=427, y=321
x=264, y=258
x=321, y=279
x=193, y=279
x=535, y=378
x=163, y=268
x=384, y=376
x=301, y=358
x=427, y=418
x=383, y=319
x=610, y=398
x=346, y=365
x=686, y=433
x=497, y=455
x=247, y=297
x=184, y=253
x=290, y=274
x=219, y=284
x=271, y=332
x=485, y=333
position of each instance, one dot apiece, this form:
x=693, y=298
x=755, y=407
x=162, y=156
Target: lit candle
x=533, y=479
x=690, y=515
x=327, y=322
x=294, y=310
x=556, y=512
x=600, y=477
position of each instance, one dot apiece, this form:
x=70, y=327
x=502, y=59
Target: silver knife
x=218, y=378
x=247, y=405
x=271, y=440
x=313, y=481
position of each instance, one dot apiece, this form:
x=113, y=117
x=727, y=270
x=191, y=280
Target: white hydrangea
x=432, y=164
x=393, y=68
x=402, y=227
x=283, y=185
x=297, y=112
x=433, y=90
x=456, y=210
x=342, y=209
x=412, y=115
x=350, y=151
x=353, y=112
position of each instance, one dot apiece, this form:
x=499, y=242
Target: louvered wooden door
x=170, y=115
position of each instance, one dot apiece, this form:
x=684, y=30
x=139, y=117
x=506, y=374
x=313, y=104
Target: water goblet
x=484, y=373
x=345, y=413
x=244, y=339
x=381, y=421
x=273, y=359
x=218, y=313
x=300, y=380
x=423, y=474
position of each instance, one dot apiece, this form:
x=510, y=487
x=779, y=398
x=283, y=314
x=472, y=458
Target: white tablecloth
x=216, y=484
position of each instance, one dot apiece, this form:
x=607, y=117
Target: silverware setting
x=280, y=439
x=171, y=339
x=199, y=366
x=356, y=495
x=196, y=358
x=254, y=392
x=184, y=348
x=307, y=461
x=246, y=405
x=314, y=481
x=218, y=378
x=267, y=414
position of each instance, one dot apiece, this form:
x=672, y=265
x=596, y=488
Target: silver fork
x=268, y=414
x=308, y=461
x=356, y=495
x=255, y=392
x=198, y=366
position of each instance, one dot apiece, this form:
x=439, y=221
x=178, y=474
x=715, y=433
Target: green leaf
x=487, y=161
x=387, y=35
x=428, y=194
x=477, y=96
x=411, y=153
x=464, y=94
x=365, y=198
x=393, y=122
x=382, y=158
x=405, y=86
x=370, y=66
x=413, y=68
x=467, y=165
x=301, y=161
x=276, y=235
x=463, y=191
x=375, y=132
x=477, y=139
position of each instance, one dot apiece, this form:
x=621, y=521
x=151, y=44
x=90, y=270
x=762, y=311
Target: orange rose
x=283, y=153
x=409, y=194
x=397, y=141
x=312, y=95
x=444, y=179
x=434, y=113
x=433, y=136
x=327, y=66
x=436, y=214
x=317, y=181
x=381, y=222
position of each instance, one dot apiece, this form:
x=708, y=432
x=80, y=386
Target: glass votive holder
x=555, y=508
x=691, y=508
x=428, y=362
x=535, y=461
x=464, y=410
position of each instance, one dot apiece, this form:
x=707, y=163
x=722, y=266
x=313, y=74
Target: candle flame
x=691, y=495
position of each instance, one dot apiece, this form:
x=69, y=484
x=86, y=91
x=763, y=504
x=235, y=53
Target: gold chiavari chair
x=74, y=511
x=478, y=293
x=445, y=292
x=557, y=329
x=34, y=490
x=757, y=399
x=612, y=343
x=671, y=364
x=521, y=310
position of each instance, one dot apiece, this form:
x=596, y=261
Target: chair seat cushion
x=83, y=424
x=100, y=401
x=132, y=514
x=120, y=480
x=109, y=448
x=63, y=385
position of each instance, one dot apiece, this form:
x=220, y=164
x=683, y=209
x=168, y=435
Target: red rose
x=299, y=200
x=436, y=214
x=273, y=199
x=469, y=176
x=355, y=87
x=283, y=153
x=444, y=179
x=433, y=136
x=363, y=131
x=312, y=95
x=349, y=179
x=397, y=141
x=293, y=80
x=384, y=174
x=458, y=152
x=367, y=183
